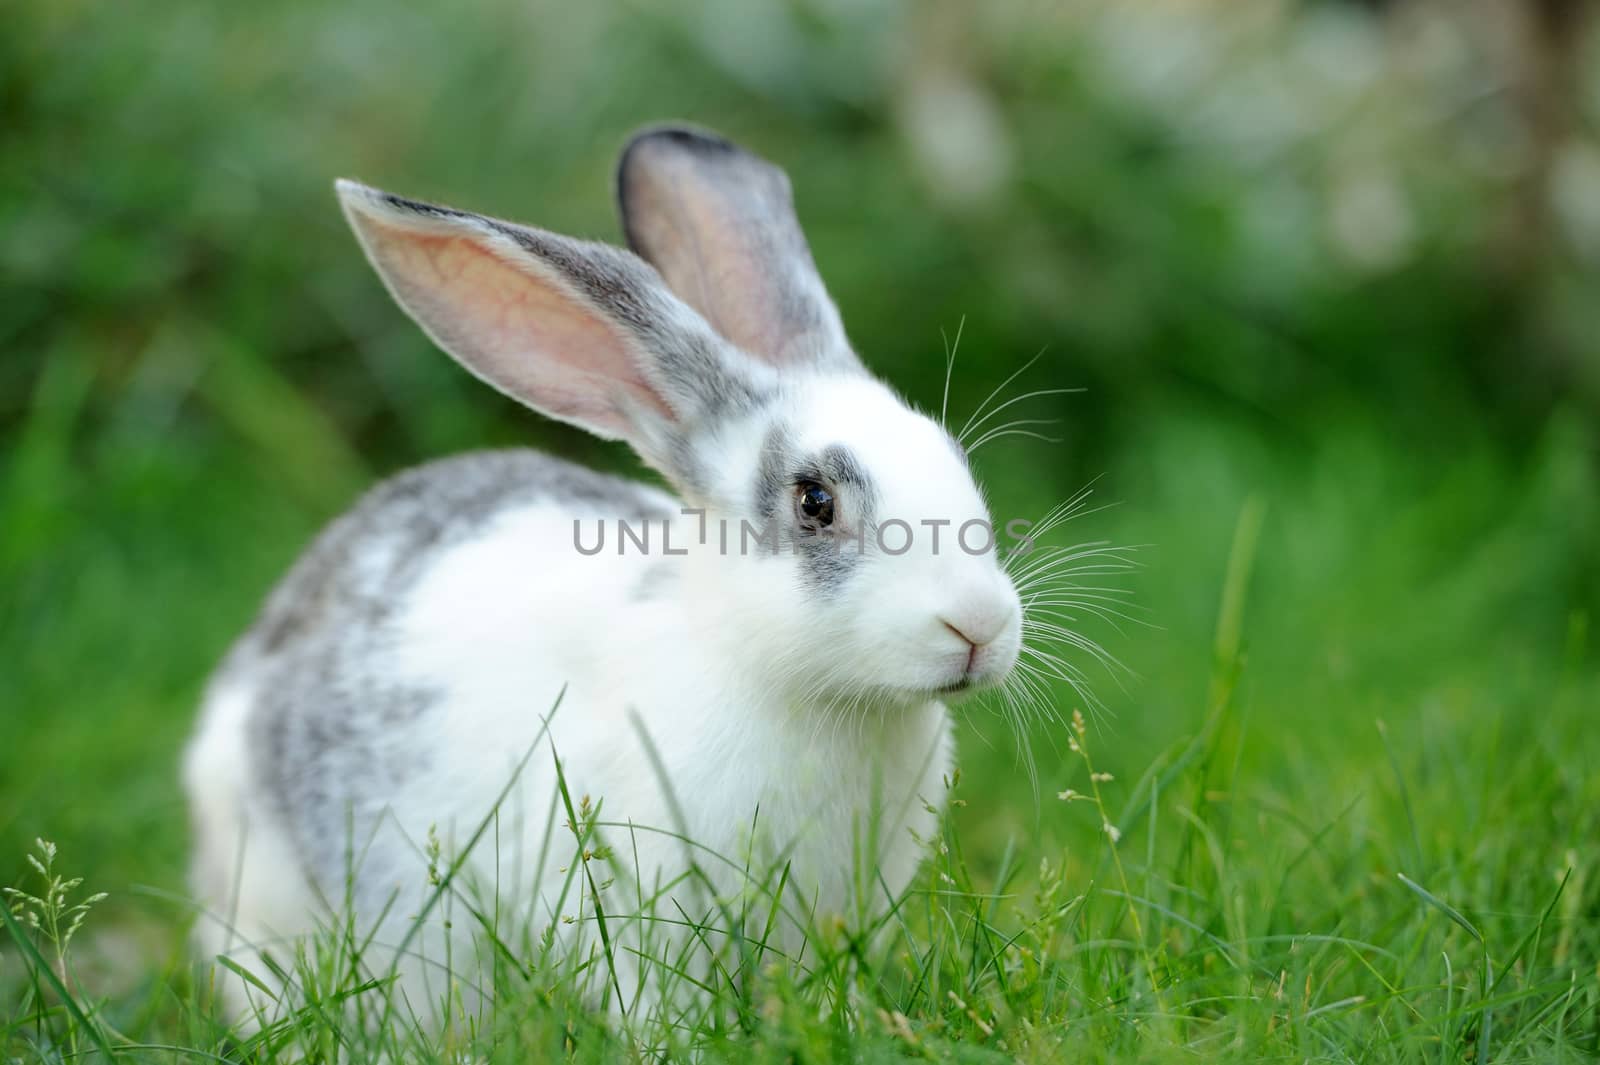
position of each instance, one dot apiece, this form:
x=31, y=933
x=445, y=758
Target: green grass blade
x=41, y=967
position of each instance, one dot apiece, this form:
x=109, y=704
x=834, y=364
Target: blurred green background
x=1340, y=259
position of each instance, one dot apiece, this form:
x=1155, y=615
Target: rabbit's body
x=420, y=623
x=742, y=705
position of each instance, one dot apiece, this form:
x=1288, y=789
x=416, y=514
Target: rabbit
x=753, y=669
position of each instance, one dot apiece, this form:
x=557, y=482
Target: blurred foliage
x=1339, y=260
x=1283, y=213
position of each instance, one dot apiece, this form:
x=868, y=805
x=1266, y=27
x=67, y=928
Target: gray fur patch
x=328, y=736
x=774, y=472
x=655, y=581
x=827, y=557
x=838, y=465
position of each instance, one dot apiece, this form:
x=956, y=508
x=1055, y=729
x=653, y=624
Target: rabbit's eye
x=816, y=504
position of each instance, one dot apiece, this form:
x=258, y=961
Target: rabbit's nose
x=963, y=634
x=978, y=625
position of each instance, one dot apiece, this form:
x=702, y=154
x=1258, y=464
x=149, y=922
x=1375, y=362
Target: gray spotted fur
x=326, y=728
x=826, y=559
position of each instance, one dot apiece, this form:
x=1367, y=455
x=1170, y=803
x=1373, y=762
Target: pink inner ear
x=707, y=261
x=741, y=299
x=513, y=322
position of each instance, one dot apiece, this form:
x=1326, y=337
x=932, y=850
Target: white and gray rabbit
x=766, y=678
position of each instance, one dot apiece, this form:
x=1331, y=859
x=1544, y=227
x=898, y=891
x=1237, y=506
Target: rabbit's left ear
x=719, y=224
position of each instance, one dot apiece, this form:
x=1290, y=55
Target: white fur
x=244, y=869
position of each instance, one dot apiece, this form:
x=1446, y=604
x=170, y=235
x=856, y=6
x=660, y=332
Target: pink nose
x=977, y=627
x=972, y=645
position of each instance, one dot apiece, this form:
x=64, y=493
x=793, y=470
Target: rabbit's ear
x=719, y=224
x=583, y=332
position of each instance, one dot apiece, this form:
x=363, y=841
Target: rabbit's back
x=313, y=724
x=352, y=575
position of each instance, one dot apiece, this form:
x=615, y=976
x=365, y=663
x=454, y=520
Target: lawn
x=1344, y=799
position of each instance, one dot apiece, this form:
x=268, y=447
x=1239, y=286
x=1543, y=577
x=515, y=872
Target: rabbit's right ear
x=583, y=332
x=719, y=223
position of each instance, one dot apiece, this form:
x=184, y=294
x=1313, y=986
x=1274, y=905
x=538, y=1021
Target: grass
x=1322, y=823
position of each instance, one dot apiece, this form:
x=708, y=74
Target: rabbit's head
x=851, y=548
